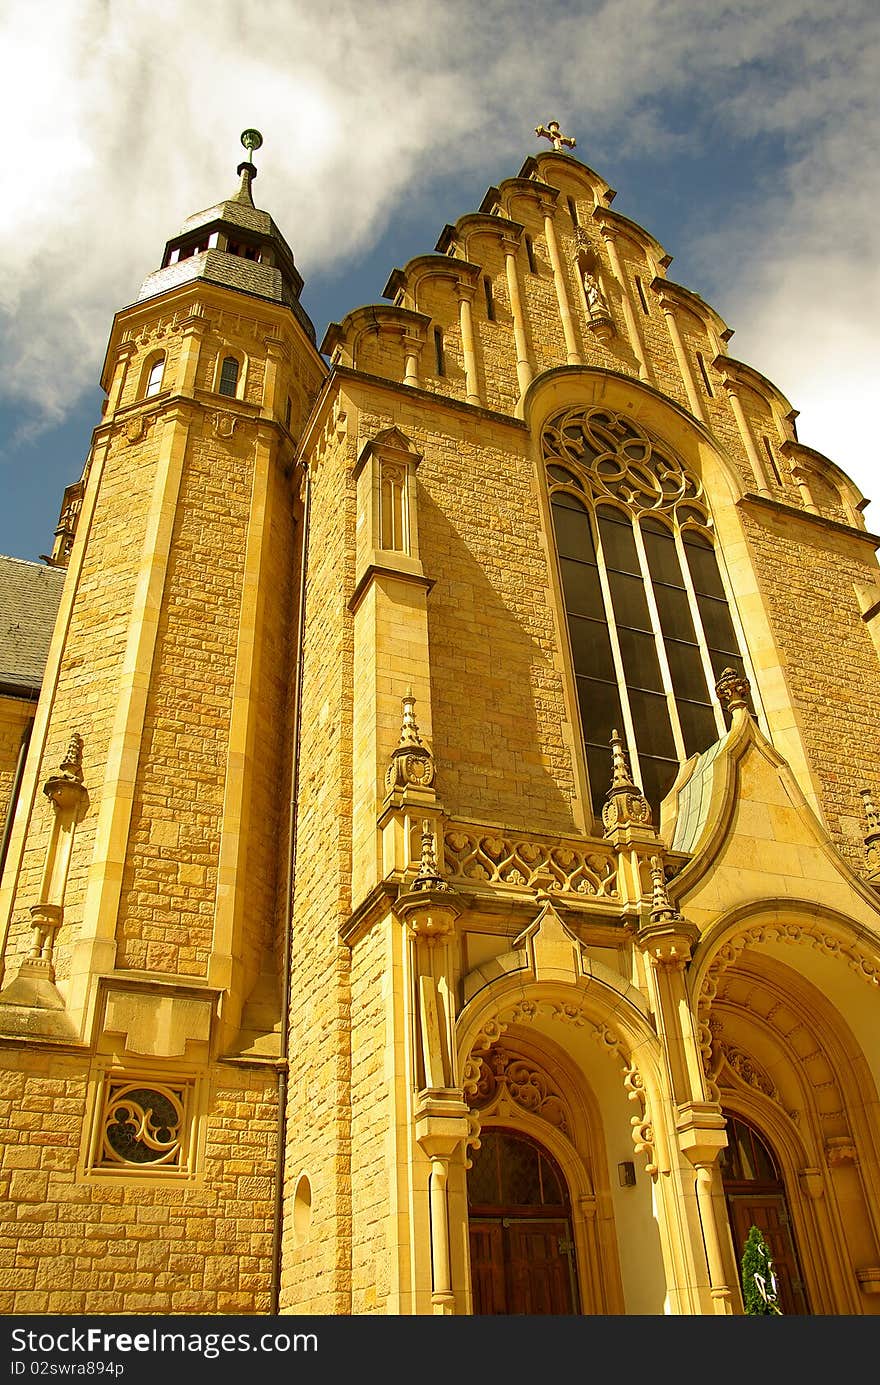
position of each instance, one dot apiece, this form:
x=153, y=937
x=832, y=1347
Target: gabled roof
x=29, y=597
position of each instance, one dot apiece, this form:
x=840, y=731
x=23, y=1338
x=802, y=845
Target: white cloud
x=128, y=116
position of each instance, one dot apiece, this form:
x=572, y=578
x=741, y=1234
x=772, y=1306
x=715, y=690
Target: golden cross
x=551, y=131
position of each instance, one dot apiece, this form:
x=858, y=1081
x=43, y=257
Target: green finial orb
x=251, y=139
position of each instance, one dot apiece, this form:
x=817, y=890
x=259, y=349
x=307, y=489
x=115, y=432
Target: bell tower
x=140, y=895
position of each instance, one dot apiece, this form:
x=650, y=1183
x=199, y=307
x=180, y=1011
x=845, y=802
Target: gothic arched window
x=229, y=377
x=648, y=618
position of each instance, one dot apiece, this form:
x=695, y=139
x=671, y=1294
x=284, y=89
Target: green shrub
x=758, y=1280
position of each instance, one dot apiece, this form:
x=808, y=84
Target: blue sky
x=743, y=136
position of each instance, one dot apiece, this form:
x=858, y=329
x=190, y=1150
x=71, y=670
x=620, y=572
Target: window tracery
x=648, y=617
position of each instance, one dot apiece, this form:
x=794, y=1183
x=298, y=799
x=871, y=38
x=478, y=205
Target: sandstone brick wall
x=111, y=1245
x=317, y=1271
x=807, y=575
x=371, y=1126
x=497, y=688
x=88, y=678
x=169, y=886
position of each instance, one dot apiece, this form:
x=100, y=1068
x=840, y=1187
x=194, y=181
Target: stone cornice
x=376, y=570
x=678, y=295
x=431, y=267
x=614, y=221
x=478, y=223
x=835, y=526
x=739, y=373
x=426, y=396
x=204, y=290
x=379, y=316
x=549, y=158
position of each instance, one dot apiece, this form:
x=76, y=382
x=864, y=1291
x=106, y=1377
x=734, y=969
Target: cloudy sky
x=743, y=135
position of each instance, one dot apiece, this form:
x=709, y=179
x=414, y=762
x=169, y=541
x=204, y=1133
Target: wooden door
x=540, y=1268
x=487, y=1267
x=769, y=1213
x=522, y=1266
x=522, y=1249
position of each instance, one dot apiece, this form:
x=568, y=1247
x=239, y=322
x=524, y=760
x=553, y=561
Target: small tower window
x=287, y=414
x=530, y=254
x=490, y=300
x=573, y=212
x=438, y=351
x=772, y=460
x=705, y=374
x=154, y=379
x=229, y=376
x=641, y=293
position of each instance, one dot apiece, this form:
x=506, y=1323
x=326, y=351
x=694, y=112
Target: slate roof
x=29, y=597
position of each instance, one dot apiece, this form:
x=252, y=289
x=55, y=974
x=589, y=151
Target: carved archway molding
x=790, y=921
x=830, y=1283
x=587, y=1005
x=592, y=1214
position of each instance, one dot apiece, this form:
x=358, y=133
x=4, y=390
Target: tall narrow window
x=154, y=379
x=641, y=292
x=530, y=254
x=648, y=619
x=772, y=460
x=490, y=299
x=573, y=212
x=705, y=374
x=439, y=359
x=229, y=376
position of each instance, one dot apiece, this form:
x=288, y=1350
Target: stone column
x=429, y=911
x=412, y=347
x=667, y=940
x=124, y=353
x=523, y=364
x=684, y=366
x=465, y=299
x=632, y=326
x=745, y=433
x=193, y=329
x=573, y=355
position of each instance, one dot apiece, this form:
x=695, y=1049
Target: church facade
x=442, y=874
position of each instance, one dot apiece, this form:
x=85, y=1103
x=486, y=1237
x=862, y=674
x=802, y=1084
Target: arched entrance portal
x=755, y=1196
x=522, y=1248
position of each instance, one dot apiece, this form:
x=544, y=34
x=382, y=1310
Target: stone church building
x=441, y=872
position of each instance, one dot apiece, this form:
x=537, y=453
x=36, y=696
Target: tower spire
x=251, y=139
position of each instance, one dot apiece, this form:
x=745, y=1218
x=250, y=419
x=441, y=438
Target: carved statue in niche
x=596, y=300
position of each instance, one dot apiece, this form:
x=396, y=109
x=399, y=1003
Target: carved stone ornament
x=872, y=836
x=134, y=428
x=529, y=1011
x=733, y=689
x=748, y=1070
x=595, y=454
x=429, y=877
x=505, y=1076
x=142, y=1127
x=488, y=858
x=552, y=132
x=412, y=764
x=223, y=423
x=625, y=804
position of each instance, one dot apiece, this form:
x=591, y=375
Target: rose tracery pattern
x=604, y=455
x=142, y=1125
